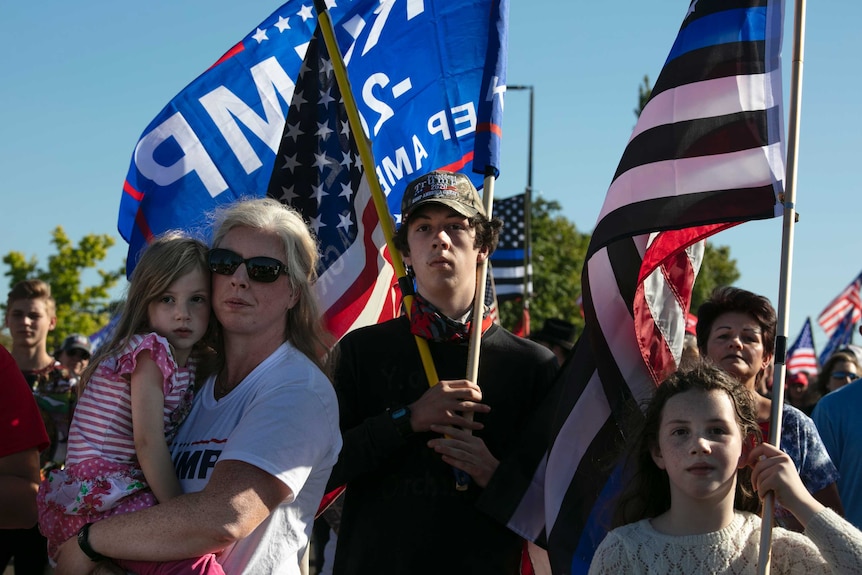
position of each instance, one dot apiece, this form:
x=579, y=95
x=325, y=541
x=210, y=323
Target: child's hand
x=773, y=470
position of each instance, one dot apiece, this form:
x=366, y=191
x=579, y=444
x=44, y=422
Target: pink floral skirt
x=86, y=492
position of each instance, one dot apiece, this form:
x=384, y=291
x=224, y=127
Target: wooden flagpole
x=377, y=194
x=462, y=480
x=790, y=216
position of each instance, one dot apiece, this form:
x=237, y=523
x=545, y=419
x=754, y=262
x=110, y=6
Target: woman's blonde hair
x=303, y=326
x=168, y=258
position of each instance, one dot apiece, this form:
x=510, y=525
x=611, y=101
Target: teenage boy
x=30, y=316
x=402, y=511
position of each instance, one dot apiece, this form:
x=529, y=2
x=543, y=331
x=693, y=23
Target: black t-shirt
x=402, y=513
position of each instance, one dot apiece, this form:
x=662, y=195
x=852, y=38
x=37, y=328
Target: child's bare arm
x=148, y=404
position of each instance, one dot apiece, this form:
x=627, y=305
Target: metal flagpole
x=790, y=216
x=528, y=206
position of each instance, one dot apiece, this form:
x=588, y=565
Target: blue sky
x=86, y=79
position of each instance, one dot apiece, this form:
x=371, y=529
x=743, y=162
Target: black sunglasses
x=843, y=375
x=78, y=353
x=260, y=269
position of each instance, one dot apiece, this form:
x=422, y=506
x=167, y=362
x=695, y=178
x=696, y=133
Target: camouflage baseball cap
x=452, y=189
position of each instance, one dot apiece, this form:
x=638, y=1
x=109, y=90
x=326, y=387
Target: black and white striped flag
x=706, y=154
x=507, y=261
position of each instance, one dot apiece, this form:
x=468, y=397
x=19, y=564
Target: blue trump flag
x=428, y=77
x=216, y=140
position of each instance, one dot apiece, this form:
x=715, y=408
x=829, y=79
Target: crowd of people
x=220, y=419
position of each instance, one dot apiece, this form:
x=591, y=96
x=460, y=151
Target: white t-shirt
x=283, y=419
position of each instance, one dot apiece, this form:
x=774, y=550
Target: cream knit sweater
x=830, y=545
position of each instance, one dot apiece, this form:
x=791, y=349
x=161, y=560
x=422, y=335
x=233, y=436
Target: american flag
x=848, y=300
x=705, y=154
x=507, y=261
x=318, y=171
x=801, y=356
x=842, y=335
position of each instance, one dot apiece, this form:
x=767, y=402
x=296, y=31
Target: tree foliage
x=558, y=250
x=80, y=309
x=717, y=269
x=644, y=92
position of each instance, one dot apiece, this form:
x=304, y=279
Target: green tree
x=717, y=269
x=79, y=309
x=644, y=92
x=558, y=251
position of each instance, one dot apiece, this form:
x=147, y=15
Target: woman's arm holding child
x=148, y=405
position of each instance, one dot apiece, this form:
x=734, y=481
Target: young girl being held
x=133, y=397
x=689, y=507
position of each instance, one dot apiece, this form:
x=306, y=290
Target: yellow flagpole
x=377, y=194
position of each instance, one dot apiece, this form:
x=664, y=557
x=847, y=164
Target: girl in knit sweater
x=689, y=507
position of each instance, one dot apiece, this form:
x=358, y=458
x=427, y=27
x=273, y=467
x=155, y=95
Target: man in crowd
x=30, y=316
x=75, y=354
x=402, y=440
x=558, y=335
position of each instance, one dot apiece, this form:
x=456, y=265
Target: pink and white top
x=102, y=425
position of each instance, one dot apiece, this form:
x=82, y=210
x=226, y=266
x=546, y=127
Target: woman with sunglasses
x=256, y=450
x=736, y=330
x=841, y=368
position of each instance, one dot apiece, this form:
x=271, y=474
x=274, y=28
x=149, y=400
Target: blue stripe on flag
x=508, y=254
x=729, y=26
x=599, y=522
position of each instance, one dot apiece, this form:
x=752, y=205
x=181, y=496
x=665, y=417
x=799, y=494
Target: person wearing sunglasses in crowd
x=75, y=354
x=402, y=512
x=257, y=448
x=837, y=418
x=840, y=369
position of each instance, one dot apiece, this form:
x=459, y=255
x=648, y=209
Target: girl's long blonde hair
x=168, y=258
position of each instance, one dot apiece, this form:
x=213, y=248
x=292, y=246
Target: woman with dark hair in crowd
x=736, y=330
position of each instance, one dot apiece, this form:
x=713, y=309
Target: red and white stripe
x=359, y=289
x=839, y=307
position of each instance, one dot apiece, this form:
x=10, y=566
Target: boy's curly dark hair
x=487, y=233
